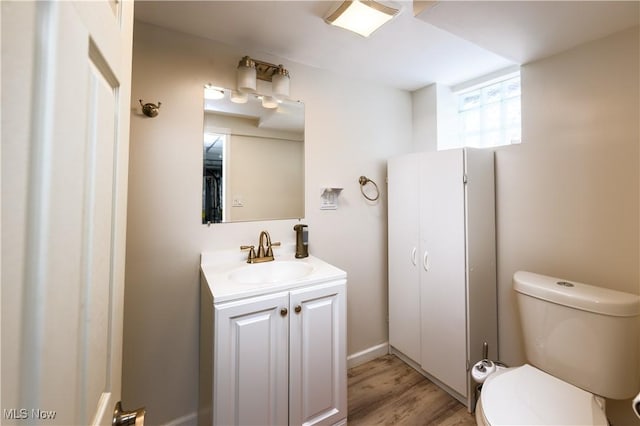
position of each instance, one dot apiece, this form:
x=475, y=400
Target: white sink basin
x=270, y=272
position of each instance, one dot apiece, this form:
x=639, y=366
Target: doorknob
x=125, y=418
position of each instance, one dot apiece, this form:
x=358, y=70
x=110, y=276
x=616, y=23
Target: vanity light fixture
x=250, y=70
x=361, y=17
x=213, y=93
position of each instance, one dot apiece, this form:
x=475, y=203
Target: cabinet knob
x=283, y=312
x=298, y=308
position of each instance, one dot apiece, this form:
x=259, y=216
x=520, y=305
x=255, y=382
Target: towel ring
x=363, y=180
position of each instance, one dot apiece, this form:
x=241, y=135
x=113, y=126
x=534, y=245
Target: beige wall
x=165, y=237
x=270, y=184
x=434, y=118
x=425, y=117
x=568, y=196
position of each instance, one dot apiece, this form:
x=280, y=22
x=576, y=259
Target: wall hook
x=149, y=109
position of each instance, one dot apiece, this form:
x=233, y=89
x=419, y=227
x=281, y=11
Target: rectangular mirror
x=253, y=166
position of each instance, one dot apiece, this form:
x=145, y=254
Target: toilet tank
x=582, y=334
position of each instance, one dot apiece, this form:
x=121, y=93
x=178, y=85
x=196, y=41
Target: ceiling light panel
x=361, y=17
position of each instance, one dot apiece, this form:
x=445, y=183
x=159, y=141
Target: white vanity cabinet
x=318, y=355
x=274, y=359
x=251, y=365
x=442, y=267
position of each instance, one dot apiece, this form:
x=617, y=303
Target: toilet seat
x=528, y=396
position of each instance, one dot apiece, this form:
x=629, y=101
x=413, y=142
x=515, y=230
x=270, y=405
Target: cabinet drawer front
x=318, y=355
x=251, y=348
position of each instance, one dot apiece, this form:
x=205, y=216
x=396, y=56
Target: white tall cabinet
x=442, y=267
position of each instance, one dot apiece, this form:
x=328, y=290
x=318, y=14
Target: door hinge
x=465, y=179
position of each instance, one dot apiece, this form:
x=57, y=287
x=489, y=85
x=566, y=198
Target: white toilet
x=582, y=345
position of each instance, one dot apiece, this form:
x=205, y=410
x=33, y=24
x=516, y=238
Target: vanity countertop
x=218, y=267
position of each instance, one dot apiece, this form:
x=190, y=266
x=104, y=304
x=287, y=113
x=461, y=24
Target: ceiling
x=447, y=42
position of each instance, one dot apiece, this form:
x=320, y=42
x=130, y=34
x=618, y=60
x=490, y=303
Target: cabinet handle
x=413, y=256
x=284, y=312
x=298, y=308
x=425, y=261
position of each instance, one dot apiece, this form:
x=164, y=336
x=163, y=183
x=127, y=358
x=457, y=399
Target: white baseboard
x=186, y=420
x=367, y=355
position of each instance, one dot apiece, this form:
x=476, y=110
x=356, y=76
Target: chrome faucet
x=265, y=250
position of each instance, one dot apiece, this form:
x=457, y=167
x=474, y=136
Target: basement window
x=489, y=113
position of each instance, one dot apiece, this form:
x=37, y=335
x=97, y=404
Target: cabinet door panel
x=251, y=351
x=318, y=355
x=443, y=295
x=404, y=255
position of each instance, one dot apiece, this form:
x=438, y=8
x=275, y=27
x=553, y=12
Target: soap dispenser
x=302, y=241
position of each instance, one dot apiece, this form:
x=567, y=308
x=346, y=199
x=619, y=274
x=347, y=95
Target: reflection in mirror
x=253, y=165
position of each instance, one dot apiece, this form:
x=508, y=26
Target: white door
x=251, y=351
x=404, y=255
x=318, y=355
x=65, y=126
x=443, y=291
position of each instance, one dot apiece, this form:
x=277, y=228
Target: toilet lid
x=528, y=396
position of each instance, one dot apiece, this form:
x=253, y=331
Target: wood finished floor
x=386, y=391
